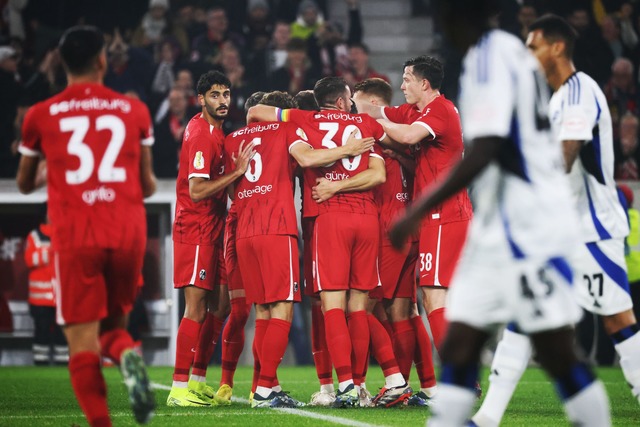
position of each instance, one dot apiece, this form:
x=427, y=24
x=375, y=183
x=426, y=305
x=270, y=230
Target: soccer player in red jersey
x=346, y=228
x=397, y=268
x=431, y=123
x=197, y=237
x=98, y=148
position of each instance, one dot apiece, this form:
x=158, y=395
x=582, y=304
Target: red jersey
x=327, y=129
x=436, y=154
x=200, y=223
x=91, y=138
x=264, y=195
x=393, y=196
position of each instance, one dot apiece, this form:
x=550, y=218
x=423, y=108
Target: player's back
x=328, y=129
x=91, y=137
x=579, y=112
x=264, y=194
x=394, y=194
x=522, y=200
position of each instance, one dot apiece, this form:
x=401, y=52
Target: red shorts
x=269, y=268
x=222, y=270
x=345, y=251
x=397, y=273
x=234, y=279
x=195, y=265
x=93, y=283
x=440, y=249
x=307, y=255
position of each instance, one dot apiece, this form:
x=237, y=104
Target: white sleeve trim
x=426, y=126
x=299, y=141
x=148, y=142
x=28, y=151
x=199, y=175
x=377, y=155
x=384, y=116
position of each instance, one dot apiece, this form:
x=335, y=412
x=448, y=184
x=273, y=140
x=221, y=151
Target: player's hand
x=402, y=229
x=245, y=155
x=324, y=190
x=357, y=146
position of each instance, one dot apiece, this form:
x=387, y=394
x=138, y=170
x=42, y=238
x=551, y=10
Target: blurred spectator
x=129, y=68
x=628, y=33
x=165, y=72
x=184, y=81
x=257, y=26
x=48, y=80
x=627, y=163
x=265, y=61
x=308, y=21
x=12, y=90
x=621, y=92
x=241, y=87
x=168, y=134
x=297, y=74
x=592, y=53
x=206, y=48
x=527, y=13
x=611, y=34
x=359, y=65
x=185, y=19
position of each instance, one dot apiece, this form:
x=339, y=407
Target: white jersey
x=522, y=201
x=579, y=112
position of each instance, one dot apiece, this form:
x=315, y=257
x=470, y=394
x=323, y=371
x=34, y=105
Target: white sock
x=590, y=407
x=629, y=351
x=263, y=391
x=363, y=385
x=357, y=387
x=277, y=388
x=430, y=391
x=394, y=380
x=179, y=384
x=452, y=407
x=344, y=384
x=326, y=388
x=509, y=363
x=198, y=378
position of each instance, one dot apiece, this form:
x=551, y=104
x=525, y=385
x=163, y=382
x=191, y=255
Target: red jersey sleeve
x=295, y=135
x=393, y=114
x=292, y=115
x=146, y=125
x=31, y=138
x=434, y=120
x=202, y=152
x=377, y=131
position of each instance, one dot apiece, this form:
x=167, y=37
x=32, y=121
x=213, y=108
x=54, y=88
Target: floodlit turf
x=32, y=396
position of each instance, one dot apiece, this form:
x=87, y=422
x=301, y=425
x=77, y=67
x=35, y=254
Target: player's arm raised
x=201, y=188
x=477, y=157
x=375, y=175
x=307, y=157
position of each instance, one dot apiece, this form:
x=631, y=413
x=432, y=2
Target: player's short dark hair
x=79, y=47
x=253, y=100
x=279, y=99
x=427, y=67
x=328, y=89
x=375, y=86
x=307, y=101
x=554, y=29
x=211, y=78
x=360, y=45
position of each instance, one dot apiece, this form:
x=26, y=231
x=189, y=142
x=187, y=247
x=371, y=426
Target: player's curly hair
x=427, y=67
x=253, y=100
x=306, y=101
x=279, y=99
x=211, y=78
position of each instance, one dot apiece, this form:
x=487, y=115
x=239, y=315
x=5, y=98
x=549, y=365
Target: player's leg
x=232, y=342
x=509, y=363
x=404, y=337
x=41, y=324
x=423, y=360
x=321, y=357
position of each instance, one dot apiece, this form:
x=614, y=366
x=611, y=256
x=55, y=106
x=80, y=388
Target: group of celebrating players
x=358, y=171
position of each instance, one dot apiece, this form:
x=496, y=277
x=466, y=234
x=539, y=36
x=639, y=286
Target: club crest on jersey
x=295, y=287
x=301, y=134
x=198, y=161
x=203, y=274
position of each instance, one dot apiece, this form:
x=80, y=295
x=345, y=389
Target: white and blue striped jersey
x=522, y=201
x=579, y=112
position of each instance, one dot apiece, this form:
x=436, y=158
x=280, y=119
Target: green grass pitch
x=31, y=396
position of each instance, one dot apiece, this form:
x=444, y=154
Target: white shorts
x=600, y=277
x=535, y=294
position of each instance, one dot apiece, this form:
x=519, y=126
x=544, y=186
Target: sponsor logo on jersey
x=198, y=161
x=255, y=129
x=336, y=176
x=258, y=189
x=100, y=194
x=301, y=134
x=89, y=104
x=332, y=116
x=202, y=274
x=403, y=197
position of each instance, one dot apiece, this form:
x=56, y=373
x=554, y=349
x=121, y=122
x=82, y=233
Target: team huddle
x=385, y=200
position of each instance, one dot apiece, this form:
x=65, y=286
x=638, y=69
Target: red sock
x=423, y=357
x=114, y=342
x=233, y=339
x=387, y=326
x=359, y=333
x=338, y=342
x=207, y=340
x=438, y=325
x=187, y=340
x=90, y=388
x=321, y=355
x=382, y=347
x=258, y=340
x=404, y=346
x=272, y=350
